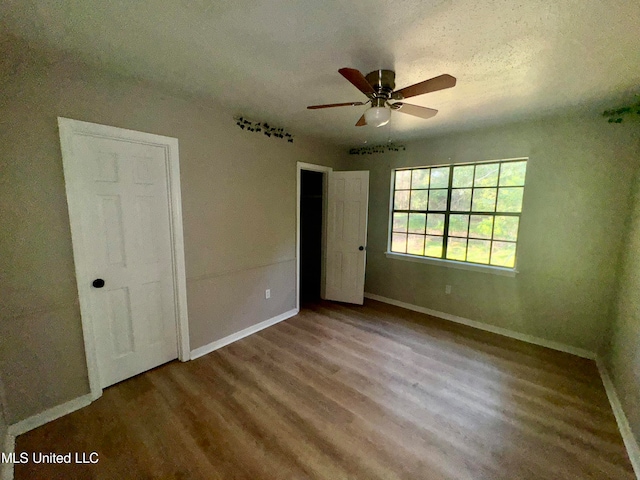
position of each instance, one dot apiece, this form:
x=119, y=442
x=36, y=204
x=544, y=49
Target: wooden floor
x=348, y=392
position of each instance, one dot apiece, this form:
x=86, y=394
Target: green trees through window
x=468, y=213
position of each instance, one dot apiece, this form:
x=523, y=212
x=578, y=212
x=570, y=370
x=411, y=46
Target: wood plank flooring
x=349, y=392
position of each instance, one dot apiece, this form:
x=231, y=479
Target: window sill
x=506, y=272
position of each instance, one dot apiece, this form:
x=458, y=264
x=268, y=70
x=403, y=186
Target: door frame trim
x=325, y=194
x=69, y=128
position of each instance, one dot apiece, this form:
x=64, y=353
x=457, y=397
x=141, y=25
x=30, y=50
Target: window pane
x=486, y=175
x=440, y=177
x=480, y=226
x=463, y=176
x=437, y=199
x=417, y=222
x=420, y=178
x=513, y=173
x=435, y=224
x=478, y=251
x=419, y=199
x=415, y=244
x=401, y=200
x=461, y=200
x=510, y=199
x=433, y=247
x=484, y=200
x=506, y=228
x=403, y=179
x=481, y=211
x=456, y=248
x=458, y=225
x=400, y=222
x=503, y=254
x=399, y=242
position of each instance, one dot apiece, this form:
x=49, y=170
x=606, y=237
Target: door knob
x=98, y=283
x=360, y=248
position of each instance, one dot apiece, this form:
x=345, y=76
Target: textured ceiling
x=269, y=59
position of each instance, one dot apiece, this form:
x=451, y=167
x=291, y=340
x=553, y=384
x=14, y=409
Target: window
x=467, y=213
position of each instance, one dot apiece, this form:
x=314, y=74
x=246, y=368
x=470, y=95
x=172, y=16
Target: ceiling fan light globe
x=377, y=116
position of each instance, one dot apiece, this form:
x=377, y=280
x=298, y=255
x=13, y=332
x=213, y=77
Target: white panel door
x=348, y=203
x=126, y=237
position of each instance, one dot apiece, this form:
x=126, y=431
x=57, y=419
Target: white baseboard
x=198, y=352
x=486, y=327
x=633, y=449
x=8, y=446
x=23, y=426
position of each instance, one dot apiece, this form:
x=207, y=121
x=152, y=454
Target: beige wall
x=239, y=194
x=6, y=446
x=622, y=355
x=3, y=425
x=576, y=200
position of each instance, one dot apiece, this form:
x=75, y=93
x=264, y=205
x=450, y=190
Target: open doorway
x=313, y=182
x=311, y=201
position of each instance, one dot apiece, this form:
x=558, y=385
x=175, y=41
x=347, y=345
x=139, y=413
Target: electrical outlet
x=267, y=293
x=447, y=289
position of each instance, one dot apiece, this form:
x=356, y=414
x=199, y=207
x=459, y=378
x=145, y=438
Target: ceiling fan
x=379, y=86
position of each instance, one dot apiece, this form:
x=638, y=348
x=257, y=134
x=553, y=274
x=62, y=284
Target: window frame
x=443, y=261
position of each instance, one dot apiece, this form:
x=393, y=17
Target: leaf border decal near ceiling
x=382, y=148
x=260, y=127
x=616, y=115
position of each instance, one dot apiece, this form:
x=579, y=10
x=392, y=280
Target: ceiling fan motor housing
x=383, y=82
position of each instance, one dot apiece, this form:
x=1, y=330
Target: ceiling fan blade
x=357, y=79
x=361, y=122
x=432, y=85
x=415, y=110
x=331, y=105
